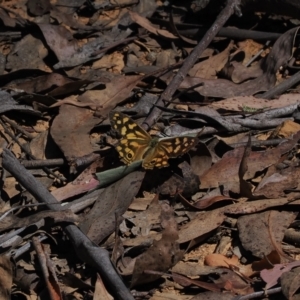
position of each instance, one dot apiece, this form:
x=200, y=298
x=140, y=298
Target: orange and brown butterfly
x=137, y=144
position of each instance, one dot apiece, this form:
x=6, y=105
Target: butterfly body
x=137, y=144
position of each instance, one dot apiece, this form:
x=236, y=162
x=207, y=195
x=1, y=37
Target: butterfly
x=137, y=144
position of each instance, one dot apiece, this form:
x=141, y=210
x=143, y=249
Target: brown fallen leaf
x=290, y=284
x=87, y=183
x=38, y=145
x=274, y=185
x=201, y=224
x=60, y=40
x=263, y=232
x=209, y=68
x=70, y=130
x=115, y=199
x=285, y=130
x=219, y=260
x=241, y=73
x=271, y=276
x=24, y=57
x=11, y=187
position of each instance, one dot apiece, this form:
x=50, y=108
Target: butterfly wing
x=168, y=148
x=135, y=140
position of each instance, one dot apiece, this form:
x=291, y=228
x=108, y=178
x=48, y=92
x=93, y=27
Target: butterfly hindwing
x=168, y=148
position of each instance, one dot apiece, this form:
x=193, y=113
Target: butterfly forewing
x=135, y=140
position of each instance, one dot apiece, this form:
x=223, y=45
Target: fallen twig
x=85, y=249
